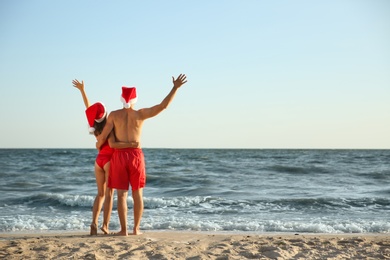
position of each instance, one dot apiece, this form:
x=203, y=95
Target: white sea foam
x=154, y=221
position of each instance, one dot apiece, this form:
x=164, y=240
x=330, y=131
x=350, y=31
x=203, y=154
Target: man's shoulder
x=115, y=113
x=118, y=111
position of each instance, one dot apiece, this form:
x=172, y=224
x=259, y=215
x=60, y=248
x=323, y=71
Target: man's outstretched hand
x=181, y=80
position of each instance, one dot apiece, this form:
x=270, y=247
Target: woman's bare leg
x=99, y=199
x=108, y=202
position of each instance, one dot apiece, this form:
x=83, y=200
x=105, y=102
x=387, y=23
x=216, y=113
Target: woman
x=97, y=116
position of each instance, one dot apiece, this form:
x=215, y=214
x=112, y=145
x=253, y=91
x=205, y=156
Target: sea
x=234, y=190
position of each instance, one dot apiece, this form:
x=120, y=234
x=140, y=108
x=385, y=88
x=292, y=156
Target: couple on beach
x=120, y=160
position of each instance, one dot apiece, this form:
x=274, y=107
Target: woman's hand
x=78, y=85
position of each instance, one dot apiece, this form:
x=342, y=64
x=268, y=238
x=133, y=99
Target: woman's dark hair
x=99, y=127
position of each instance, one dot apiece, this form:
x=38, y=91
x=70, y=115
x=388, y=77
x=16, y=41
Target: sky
x=261, y=74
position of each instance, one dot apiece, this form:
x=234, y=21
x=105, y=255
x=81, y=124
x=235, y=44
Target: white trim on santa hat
x=131, y=102
x=103, y=117
x=91, y=130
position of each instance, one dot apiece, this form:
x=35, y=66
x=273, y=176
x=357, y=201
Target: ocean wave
x=49, y=211
x=52, y=199
x=75, y=222
x=297, y=204
x=216, y=203
x=183, y=202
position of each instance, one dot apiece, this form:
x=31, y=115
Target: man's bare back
x=127, y=124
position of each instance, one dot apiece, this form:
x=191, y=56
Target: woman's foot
x=136, y=232
x=93, y=230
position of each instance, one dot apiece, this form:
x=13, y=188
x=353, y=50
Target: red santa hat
x=129, y=96
x=95, y=113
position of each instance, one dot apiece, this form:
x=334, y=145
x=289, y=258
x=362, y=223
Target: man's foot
x=93, y=230
x=137, y=232
x=105, y=231
x=120, y=233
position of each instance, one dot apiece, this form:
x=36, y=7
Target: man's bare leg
x=108, y=202
x=138, y=210
x=122, y=211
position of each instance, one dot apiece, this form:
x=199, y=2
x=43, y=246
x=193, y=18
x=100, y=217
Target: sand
x=194, y=245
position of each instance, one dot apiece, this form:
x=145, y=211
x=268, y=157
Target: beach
x=194, y=245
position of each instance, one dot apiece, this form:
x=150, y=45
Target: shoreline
x=162, y=244
x=157, y=231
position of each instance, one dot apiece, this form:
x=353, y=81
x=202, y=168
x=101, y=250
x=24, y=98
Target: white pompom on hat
x=95, y=113
x=129, y=96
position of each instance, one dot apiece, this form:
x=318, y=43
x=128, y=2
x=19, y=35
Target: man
x=128, y=165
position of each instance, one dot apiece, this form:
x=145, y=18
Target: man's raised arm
x=155, y=110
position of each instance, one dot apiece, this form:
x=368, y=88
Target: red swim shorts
x=127, y=166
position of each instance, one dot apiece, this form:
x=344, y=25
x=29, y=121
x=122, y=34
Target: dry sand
x=194, y=245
